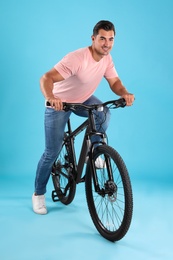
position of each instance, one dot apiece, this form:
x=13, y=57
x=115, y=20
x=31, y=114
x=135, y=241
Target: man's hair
x=105, y=25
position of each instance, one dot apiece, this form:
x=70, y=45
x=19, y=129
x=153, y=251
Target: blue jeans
x=55, y=122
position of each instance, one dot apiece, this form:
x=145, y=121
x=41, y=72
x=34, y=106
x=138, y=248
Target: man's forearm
x=119, y=89
x=46, y=85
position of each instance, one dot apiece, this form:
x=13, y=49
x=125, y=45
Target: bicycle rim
x=111, y=205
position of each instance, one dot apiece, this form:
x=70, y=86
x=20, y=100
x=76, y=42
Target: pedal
x=54, y=196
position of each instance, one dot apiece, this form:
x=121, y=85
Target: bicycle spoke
x=111, y=205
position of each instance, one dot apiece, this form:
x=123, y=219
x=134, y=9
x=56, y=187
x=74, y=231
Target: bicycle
x=108, y=187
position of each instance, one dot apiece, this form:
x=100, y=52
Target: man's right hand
x=56, y=103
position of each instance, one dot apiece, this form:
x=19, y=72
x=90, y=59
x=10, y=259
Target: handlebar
x=99, y=107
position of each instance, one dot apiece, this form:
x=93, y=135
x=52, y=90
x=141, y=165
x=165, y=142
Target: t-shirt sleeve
x=110, y=70
x=67, y=66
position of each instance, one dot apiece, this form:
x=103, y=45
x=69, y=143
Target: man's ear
x=92, y=37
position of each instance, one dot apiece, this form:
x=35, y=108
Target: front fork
x=108, y=187
x=92, y=161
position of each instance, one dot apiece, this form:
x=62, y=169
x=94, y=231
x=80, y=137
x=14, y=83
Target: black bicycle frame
x=87, y=146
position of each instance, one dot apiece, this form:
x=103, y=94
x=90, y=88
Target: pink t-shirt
x=82, y=75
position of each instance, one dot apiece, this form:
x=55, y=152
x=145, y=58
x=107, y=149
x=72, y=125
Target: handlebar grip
x=64, y=105
x=121, y=102
x=48, y=104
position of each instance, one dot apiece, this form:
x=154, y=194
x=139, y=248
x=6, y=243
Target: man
x=74, y=79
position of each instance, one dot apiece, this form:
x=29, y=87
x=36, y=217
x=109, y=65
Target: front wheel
x=109, y=193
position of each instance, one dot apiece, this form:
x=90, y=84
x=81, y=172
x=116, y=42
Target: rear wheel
x=109, y=193
x=62, y=177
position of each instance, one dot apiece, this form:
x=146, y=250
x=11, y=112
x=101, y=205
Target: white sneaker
x=100, y=163
x=39, y=205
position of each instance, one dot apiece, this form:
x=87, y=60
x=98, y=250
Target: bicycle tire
x=62, y=176
x=110, y=209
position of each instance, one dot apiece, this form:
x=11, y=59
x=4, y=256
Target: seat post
x=69, y=126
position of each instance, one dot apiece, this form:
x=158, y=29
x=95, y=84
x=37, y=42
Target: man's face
x=103, y=42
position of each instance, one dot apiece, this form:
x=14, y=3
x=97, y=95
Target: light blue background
x=36, y=34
